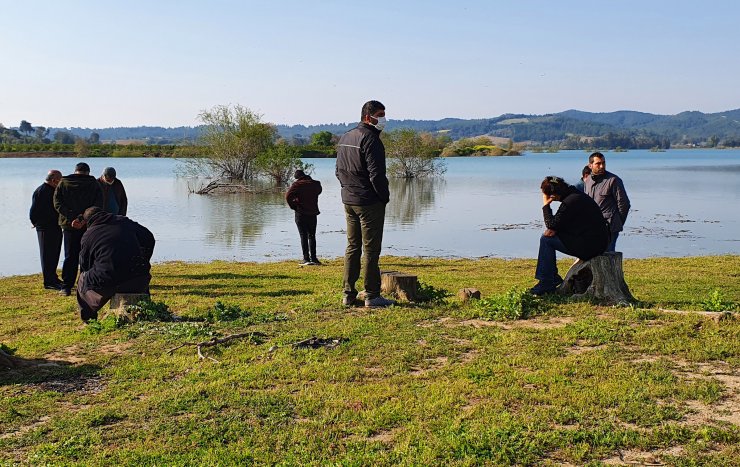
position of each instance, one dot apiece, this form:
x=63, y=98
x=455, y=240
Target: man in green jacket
x=74, y=194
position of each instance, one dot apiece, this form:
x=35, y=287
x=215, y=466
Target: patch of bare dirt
x=635, y=457
x=434, y=364
x=385, y=436
x=26, y=428
x=581, y=349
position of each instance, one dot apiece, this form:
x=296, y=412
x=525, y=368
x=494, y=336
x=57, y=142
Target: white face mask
x=381, y=123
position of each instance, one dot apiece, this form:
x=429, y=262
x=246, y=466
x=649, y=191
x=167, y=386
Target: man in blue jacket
x=45, y=220
x=361, y=173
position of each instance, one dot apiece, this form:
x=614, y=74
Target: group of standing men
x=87, y=215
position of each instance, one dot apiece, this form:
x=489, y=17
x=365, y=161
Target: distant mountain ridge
x=683, y=128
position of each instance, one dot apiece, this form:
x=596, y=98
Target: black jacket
x=75, y=193
x=361, y=167
x=303, y=195
x=118, y=191
x=115, y=249
x=579, y=224
x=42, y=213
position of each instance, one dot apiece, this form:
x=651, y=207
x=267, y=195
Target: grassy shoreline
x=424, y=384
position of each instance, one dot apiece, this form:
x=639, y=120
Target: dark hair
x=586, y=171
x=90, y=212
x=82, y=167
x=596, y=154
x=298, y=174
x=552, y=185
x=370, y=108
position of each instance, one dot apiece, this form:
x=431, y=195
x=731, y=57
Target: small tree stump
x=468, y=293
x=601, y=277
x=119, y=301
x=398, y=284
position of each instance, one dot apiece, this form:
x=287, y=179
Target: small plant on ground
x=223, y=312
x=716, y=302
x=148, y=310
x=429, y=294
x=514, y=304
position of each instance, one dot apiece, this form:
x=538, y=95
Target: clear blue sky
x=102, y=63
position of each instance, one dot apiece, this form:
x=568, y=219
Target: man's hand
x=549, y=233
x=546, y=199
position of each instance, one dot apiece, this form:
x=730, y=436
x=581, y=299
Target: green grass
x=439, y=383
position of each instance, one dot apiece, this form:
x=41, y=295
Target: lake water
x=684, y=203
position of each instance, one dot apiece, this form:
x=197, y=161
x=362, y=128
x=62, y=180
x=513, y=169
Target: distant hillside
x=572, y=128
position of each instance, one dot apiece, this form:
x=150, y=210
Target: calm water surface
x=684, y=203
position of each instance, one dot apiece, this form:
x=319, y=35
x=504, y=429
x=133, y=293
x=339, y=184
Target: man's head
x=109, y=175
x=90, y=213
x=555, y=187
x=82, y=168
x=373, y=113
x=597, y=163
x=299, y=174
x=53, y=177
x=585, y=172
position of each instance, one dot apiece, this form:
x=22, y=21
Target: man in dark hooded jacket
x=577, y=229
x=115, y=200
x=74, y=194
x=114, y=259
x=303, y=198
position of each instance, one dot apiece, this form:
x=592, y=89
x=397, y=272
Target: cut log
x=601, y=278
x=400, y=285
x=468, y=293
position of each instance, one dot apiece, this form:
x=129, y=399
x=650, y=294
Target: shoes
x=558, y=280
x=543, y=288
x=316, y=262
x=378, y=302
x=53, y=286
x=348, y=301
x=65, y=291
x=306, y=263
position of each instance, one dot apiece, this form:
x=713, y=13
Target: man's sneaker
x=315, y=262
x=378, y=302
x=558, y=280
x=542, y=288
x=348, y=301
x=306, y=263
x=65, y=291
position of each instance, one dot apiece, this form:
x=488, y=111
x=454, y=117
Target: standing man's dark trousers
x=72, y=246
x=90, y=301
x=307, y=229
x=50, y=245
x=364, y=231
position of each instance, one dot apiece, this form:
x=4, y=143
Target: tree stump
x=601, y=277
x=119, y=302
x=398, y=284
x=468, y=293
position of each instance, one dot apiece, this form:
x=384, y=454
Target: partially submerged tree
x=279, y=162
x=235, y=137
x=411, y=154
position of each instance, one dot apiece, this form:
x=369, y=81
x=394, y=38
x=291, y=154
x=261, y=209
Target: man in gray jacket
x=361, y=173
x=608, y=191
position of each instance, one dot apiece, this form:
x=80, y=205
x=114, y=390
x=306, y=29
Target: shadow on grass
x=230, y=275
x=280, y=293
x=52, y=375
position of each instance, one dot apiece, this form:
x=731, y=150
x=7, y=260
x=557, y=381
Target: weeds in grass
x=426, y=293
x=222, y=312
x=148, y=310
x=716, y=302
x=512, y=305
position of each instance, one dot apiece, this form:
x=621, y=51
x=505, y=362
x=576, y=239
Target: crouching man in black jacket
x=577, y=229
x=114, y=259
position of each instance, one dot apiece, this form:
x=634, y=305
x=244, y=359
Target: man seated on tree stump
x=577, y=229
x=114, y=259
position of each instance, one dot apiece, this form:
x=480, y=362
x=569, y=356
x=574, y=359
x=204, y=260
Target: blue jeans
x=547, y=267
x=613, y=243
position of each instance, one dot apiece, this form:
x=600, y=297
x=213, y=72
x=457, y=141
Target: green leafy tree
x=279, y=162
x=234, y=137
x=64, y=137
x=94, y=138
x=322, y=138
x=41, y=133
x=412, y=154
x=25, y=127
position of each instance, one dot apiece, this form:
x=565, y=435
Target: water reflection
x=239, y=219
x=412, y=198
